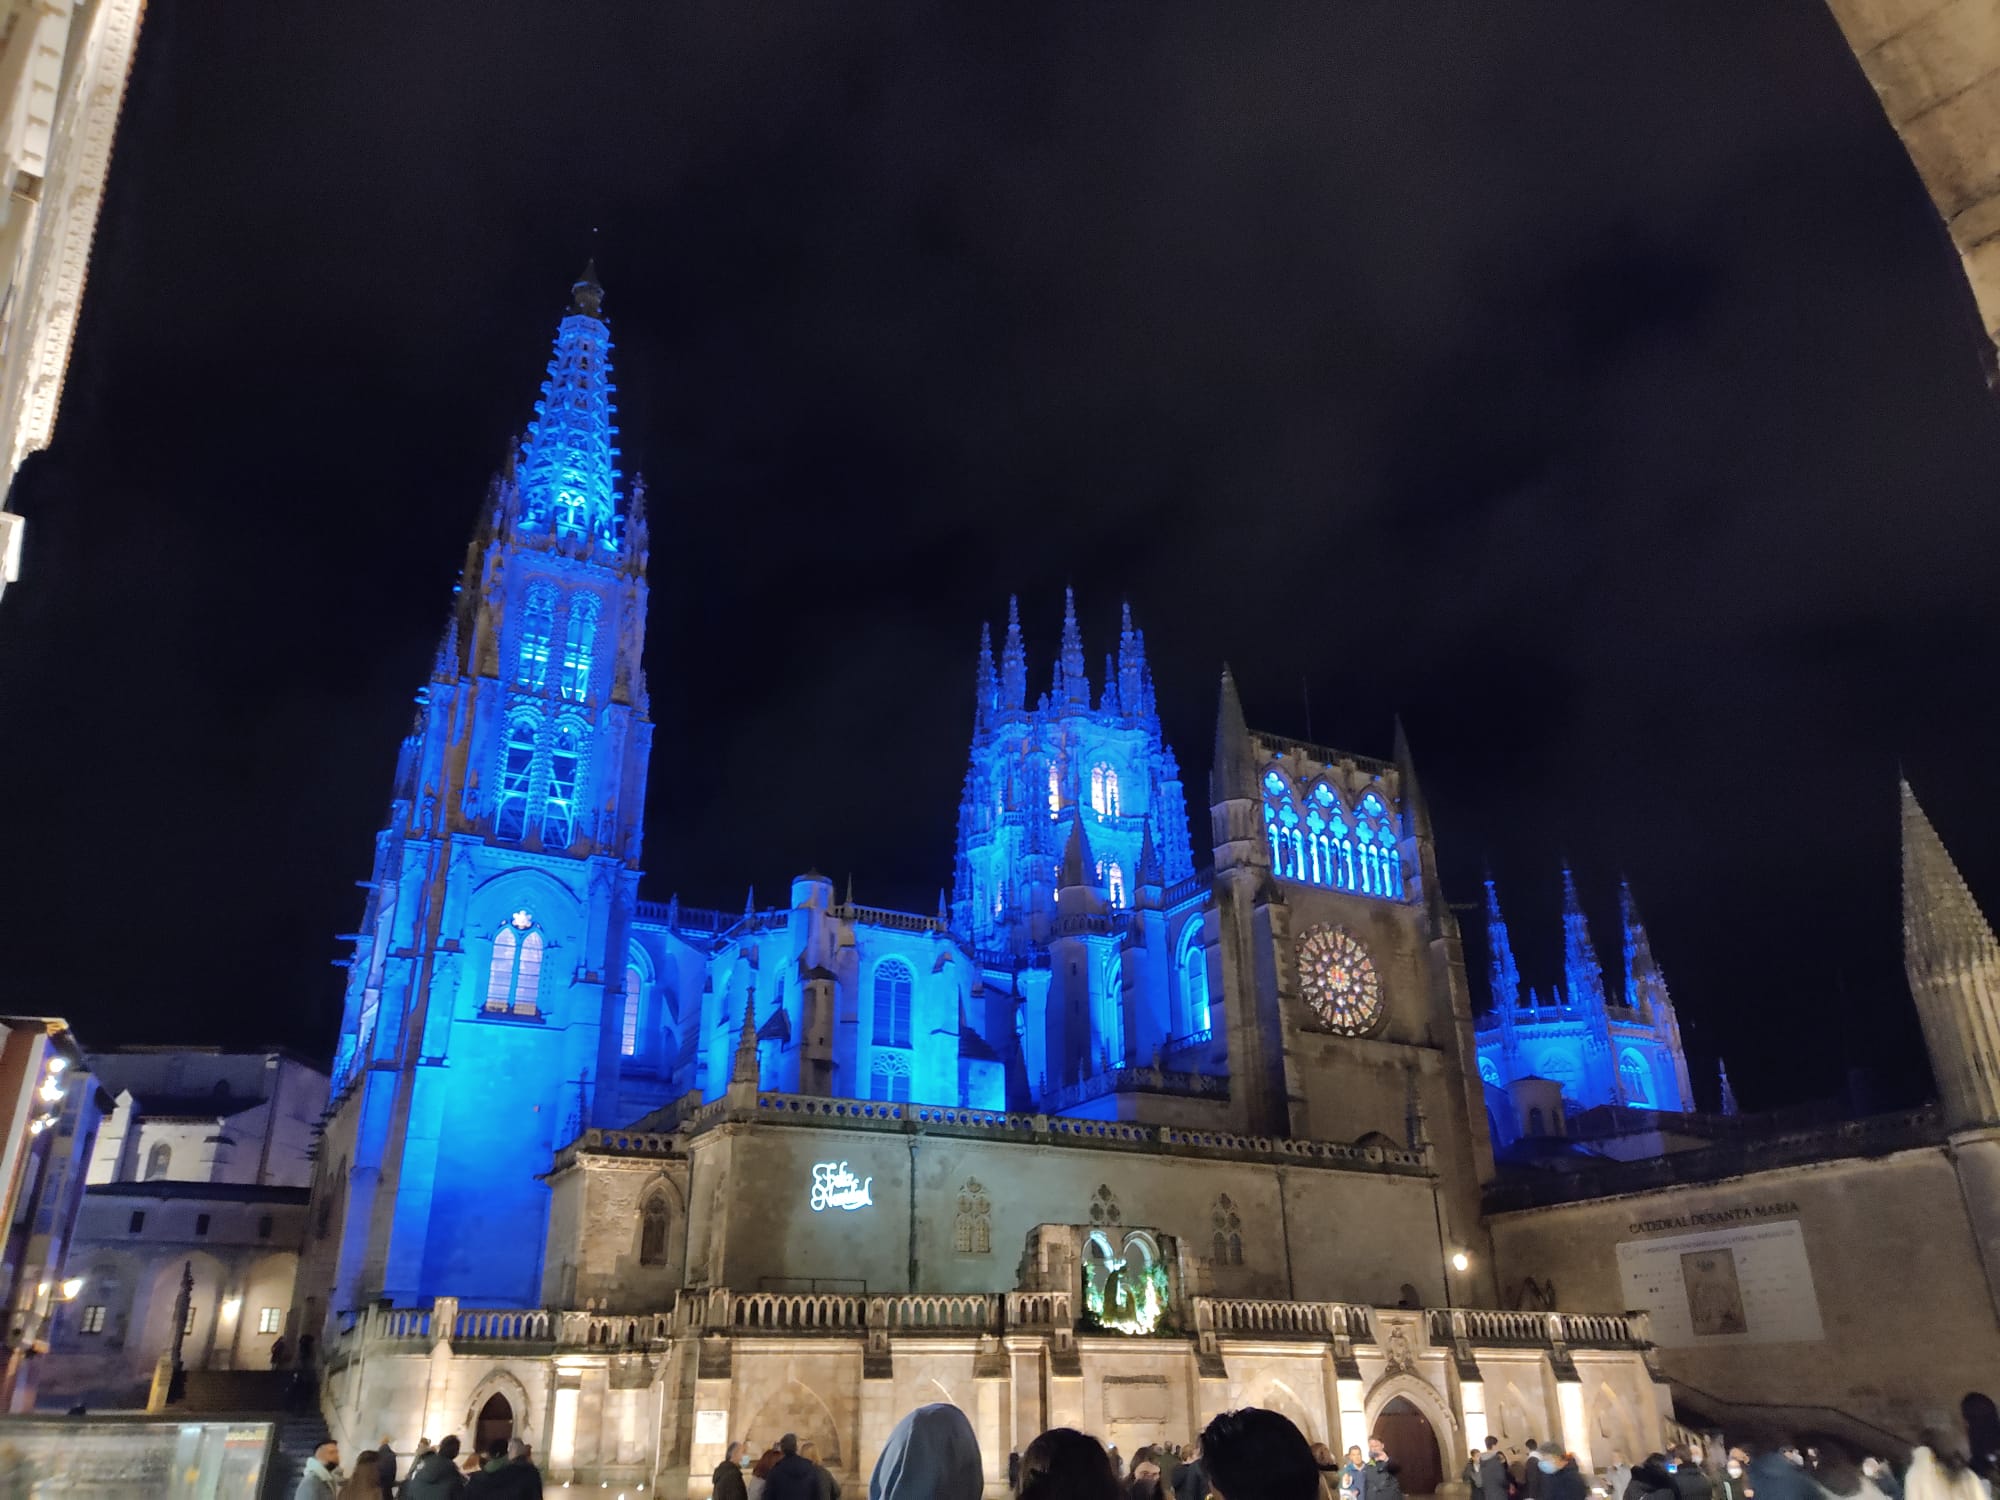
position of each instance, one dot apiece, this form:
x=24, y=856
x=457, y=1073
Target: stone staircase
x=265, y=1396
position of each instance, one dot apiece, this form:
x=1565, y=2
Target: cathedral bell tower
x=479, y=1031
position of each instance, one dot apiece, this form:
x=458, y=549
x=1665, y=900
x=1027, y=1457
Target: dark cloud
x=1592, y=386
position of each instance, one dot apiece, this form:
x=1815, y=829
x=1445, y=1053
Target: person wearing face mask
x=1690, y=1483
x=1730, y=1485
x=1378, y=1475
x=1563, y=1479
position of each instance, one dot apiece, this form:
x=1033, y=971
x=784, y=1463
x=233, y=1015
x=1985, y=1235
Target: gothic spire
x=1728, y=1104
x=1109, y=702
x=1151, y=872
x=986, y=691
x=1406, y=772
x=568, y=467
x=1072, y=680
x=1078, y=868
x=1013, y=661
x=1583, y=975
x=1953, y=964
x=1645, y=985
x=1234, y=777
x=1943, y=927
x=1131, y=664
x=744, y=1068
x=1504, y=981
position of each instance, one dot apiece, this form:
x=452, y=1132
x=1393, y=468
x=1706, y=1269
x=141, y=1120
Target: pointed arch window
x=653, y=1223
x=1194, y=977
x=514, y=978
x=1104, y=790
x=577, y=647
x=1112, y=1008
x=517, y=771
x=1281, y=829
x=1114, y=881
x=1635, y=1079
x=1381, y=861
x=538, y=624
x=1489, y=1071
x=158, y=1160
x=635, y=987
x=1055, y=788
x=559, y=810
x=893, y=983
x=1227, y=1239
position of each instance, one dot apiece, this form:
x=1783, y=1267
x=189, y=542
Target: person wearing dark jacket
x=792, y=1477
x=727, y=1481
x=1493, y=1476
x=1378, y=1475
x=435, y=1476
x=509, y=1475
x=1690, y=1483
x=1532, y=1481
x=385, y=1460
x=1565, y=1479
x=1651, y=1481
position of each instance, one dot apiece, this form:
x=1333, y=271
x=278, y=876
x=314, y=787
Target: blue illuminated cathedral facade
x=1293, y=976
x=1598, y=1045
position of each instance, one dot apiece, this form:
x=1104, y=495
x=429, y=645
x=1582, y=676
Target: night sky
x=1590, y=384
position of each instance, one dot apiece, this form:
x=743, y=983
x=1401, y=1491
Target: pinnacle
x=1235, y=772
x=1942, y=923
x=586, y=293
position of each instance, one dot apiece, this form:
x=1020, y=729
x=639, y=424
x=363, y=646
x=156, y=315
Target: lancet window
x=517, y=770
x=1114, y=881
x=893, y=983
x=653, y=1231
x=577, y=646
x=1104, y=790
x=1193, y=968
x=514, y=978
x=1331, y=845
x=1635, y=1079
x=635, y=989
x=1227, y=1239
x=559, y=811
x=972, y=1231
x=538, y=623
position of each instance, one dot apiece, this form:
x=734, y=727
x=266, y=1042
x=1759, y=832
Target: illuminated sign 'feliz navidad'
x=834, y=1185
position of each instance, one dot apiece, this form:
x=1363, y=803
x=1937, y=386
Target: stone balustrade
x=1517, y=1329
x=1243, y=1316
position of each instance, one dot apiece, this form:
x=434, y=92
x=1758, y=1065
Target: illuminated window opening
x=559, y=810
x=1636, y=1079
x=514, y=979
x=577, y=647
x=517, y=770
x=538, y=623
x=635, y=985
x=1194, y=978
x=1104, y=790
x=1115, y=882
x=893, y=985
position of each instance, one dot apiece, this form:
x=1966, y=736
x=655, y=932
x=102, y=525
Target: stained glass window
x=514, y=978
x=1104, y=790
x=559, y=811
x=1055, y=788
x=1115, y=881
x=577, y=647
x=517, y=770
x=892, y=1003
x=1339, y=980
x=538, y=623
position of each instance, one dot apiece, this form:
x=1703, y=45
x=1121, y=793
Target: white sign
x=1750, y=1285
x=835, y=1186
x=711, y=1427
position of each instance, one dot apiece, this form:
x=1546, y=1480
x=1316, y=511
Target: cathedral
x=1136, y=1126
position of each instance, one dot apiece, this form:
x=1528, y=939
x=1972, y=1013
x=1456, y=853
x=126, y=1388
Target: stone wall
x=616, y=1402
x=1895, y=1277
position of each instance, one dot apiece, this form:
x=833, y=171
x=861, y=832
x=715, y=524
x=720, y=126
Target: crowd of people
x=505, y=1471
x=1247, y=1454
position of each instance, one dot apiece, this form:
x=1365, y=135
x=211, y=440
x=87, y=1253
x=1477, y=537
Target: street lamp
x=70, y=1287
x=1460, y=1261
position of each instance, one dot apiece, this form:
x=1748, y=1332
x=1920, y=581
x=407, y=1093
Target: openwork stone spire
x=1583, y=975
x=1953, y=964
x=1504, y=975
x=1013, y=661
x=1072, y=680
x=568, y=472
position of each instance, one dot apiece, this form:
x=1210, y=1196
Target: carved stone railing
x=796, y=1312
x=1240, y=1317
x=1510, y=1328
x=1040, y=1310
x=1192, y=885
x=811, y=1106
x=1322, y=755
x=503, y=1326
x=942, y=1312
x=413, y=1323
x=881, y=916
x=1090, y=924
x=1188, y=1043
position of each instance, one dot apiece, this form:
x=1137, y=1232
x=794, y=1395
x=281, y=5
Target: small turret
x=1131, y=665
x=1234, y=777
x=1078, y=868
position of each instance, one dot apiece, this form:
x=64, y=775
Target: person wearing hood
x=931, y=1455
x=435, y=1476
x=1938, y=1471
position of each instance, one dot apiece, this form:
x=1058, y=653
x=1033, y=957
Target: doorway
x=495, y=1424
x=1412, y=1444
